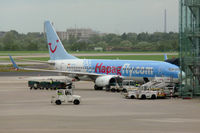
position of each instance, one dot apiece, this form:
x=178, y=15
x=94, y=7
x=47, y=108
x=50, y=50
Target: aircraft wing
x=55, y=71
x=45, y=62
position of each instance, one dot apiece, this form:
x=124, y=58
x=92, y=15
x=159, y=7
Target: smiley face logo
x=53, y=50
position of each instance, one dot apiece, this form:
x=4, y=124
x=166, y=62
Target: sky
x=105, y=16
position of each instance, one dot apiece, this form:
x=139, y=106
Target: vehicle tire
x=58, y=102
x=69, y=87
x=76, y=102
x=118, y=90
x=100, y=88
x=31, y=88
x=153, y=96
x=143, y=97
x=132, y=97
x=47, y=88
x=113, y=90
x=124, y=90
x=96, y=87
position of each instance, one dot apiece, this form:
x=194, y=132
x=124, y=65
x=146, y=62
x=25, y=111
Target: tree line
x=158, y=41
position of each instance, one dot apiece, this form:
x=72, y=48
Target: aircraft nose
x=183, y=74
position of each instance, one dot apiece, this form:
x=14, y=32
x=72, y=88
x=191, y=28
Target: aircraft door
x=62, y=66
x=160, y=72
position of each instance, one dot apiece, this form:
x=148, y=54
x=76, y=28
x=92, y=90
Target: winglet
x=13, y=62
x=165, y=57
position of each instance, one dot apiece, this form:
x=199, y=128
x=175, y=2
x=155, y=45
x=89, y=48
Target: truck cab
x=65, y=96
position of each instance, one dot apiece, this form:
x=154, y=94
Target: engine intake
x=106, y=80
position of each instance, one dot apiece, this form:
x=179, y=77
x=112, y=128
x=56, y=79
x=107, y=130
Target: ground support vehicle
x=124, y=86
x=141, y=94
x=65, y=96
x=160, y=92
x=53, y=85
x=131, y=94
x=44, y=85
x=147, y=94
x=129, y=85
x=33, y=84
x=116, y=88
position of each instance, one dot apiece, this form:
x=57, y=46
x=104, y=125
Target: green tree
x=102, y=44
x=124, y=36
x=126, y=43
x=9, y=40
x=132, y=37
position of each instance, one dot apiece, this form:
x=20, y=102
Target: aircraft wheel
x=107, y=88
x=95, y=87
x=98, y=88
x=58, y=102
x=76, y=102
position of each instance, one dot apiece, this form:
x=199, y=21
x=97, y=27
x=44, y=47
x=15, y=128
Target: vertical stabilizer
x=55, y=46
x=165, y=57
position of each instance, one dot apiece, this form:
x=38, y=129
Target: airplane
x=102, y=72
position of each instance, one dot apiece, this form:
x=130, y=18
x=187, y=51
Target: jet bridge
x=189, y=29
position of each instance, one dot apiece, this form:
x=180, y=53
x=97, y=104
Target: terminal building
x=189, y=28
x=76, y=33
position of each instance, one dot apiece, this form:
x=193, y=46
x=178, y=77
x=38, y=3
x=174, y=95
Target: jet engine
x=107, y=80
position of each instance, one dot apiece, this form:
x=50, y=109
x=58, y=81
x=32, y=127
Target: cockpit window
x=174, y=69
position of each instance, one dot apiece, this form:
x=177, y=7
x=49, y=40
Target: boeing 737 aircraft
x=102, y=72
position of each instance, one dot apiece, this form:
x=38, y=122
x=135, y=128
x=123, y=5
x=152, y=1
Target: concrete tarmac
x=25, y=111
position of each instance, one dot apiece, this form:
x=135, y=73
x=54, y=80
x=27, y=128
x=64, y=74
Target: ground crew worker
x=136, y=84
x=59, y=92
x=68, y=92
x=171, y=93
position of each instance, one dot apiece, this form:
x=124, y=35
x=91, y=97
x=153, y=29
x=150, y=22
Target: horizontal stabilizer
x=13, y=62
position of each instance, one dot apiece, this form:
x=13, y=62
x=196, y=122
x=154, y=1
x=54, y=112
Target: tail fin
x=165, y=57
x=55, y=46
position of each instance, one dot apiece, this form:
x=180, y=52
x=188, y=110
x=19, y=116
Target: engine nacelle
x=103, y=81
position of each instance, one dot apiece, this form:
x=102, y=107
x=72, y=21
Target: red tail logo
x=53, y=50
